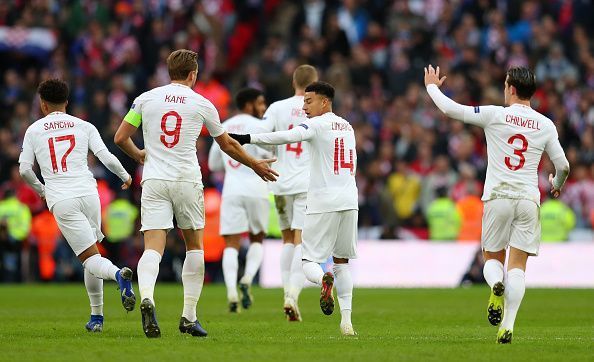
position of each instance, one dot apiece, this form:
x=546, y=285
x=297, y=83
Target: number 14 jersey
x=172, y=117
x=516, y=138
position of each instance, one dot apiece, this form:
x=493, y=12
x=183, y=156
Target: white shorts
x=241, y=213
x=79, y=220
x=511, y=222
x=330, y=233
x=291, y=210
x=161, y=200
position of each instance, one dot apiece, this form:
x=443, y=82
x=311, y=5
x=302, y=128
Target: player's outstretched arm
x=115, y=166
x=27, y=173
x=234, y=149
x=215, y=159
x=295, y=134
x=124, y=141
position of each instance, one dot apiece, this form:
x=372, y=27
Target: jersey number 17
x=52, y=150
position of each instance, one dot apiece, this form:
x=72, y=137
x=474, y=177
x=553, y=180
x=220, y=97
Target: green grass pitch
x=46, y=322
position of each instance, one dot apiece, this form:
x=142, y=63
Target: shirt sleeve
x=134, y=115
x=269, y=119
x=27, y=151
x=215, y=158
x=212, y=120
x=96, y=143
x=303, y=132
x=478, y=115
x=557, y=155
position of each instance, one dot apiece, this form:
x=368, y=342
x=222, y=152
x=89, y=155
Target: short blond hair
x=304, y=75
x=180, y=63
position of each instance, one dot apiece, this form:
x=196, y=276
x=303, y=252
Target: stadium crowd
x=420, y=175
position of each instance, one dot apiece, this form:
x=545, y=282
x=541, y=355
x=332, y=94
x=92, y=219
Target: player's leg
x=297, y=277
x=296, y=281
x=285, y=215
x=156, y=216
x=230, y=269
x=319, y=237
x=524, y=241
x=188, y=207
x=345, y=249
x=193, y=280
x=94, y=288
x=234, y=222
x=497, y=217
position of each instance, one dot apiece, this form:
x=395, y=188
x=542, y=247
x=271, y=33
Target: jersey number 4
x=339, y=157
x=518, y=152
x=52, y=150
x=165, y=138
x=294, y=147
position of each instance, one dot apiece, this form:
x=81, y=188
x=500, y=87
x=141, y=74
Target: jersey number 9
x=166, y=137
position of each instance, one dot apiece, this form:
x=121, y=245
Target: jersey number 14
x=339, y=157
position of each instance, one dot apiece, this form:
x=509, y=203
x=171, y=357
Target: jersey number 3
x=518, y=152
x=165, y=138
x=52, y=150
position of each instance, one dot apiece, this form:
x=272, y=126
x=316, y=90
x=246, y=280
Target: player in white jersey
x=172, y=117
x=330, y=226
x=244, y=206
x=290, y=191
x=516, y=137
x=60, y=144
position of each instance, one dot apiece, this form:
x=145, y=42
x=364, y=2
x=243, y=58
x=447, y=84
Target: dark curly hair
x=523, y=80
x=54, y=91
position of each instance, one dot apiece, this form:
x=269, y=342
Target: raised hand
x=432, y=76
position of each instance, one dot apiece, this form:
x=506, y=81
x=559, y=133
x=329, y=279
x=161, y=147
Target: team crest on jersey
x=304, y=126
x=477, y=109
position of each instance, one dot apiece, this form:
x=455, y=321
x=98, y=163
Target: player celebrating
x=290, y=191
x=244, y=206
x=330, y=226
x=172, y=118
x=60, y=143
x=516, y=137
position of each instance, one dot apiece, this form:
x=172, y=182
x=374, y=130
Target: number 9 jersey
x=516, y=138
x=172, y=117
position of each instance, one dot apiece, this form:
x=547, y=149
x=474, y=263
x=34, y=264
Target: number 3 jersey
x=60, y=143
x=292, y=159
x=516, y=138
x=172, y=117
x=333, y=161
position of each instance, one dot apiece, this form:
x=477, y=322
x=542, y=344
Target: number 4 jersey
x=172, y=117
x=516, y=138
x=333, y=161
x=60, y=143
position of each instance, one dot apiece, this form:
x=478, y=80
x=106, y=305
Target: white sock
x=297, y=276
x=192, y=279
x=493, y=272
x=515, y=286
x=253, y=260
x=286, y=259
x=94, y=287
x=101, y=267
x=343, y=282
x=230, y=266
x=148, y=270
x=313, y=271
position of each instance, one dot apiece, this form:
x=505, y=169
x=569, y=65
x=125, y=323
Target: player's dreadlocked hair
x=54, y=91
x=523, y=80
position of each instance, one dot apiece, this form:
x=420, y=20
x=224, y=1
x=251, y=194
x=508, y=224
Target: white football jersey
x=516, y=138
x=333, y=163
x=60, y=143
x=292, y=159
x=240, y=180
x=172, y=117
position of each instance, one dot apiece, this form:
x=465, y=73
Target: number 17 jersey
x=172, y=117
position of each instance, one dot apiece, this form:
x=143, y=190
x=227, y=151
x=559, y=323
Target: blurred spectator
x=443, y=217
x=470, y=208
x=556, y=221
x=119, y=222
